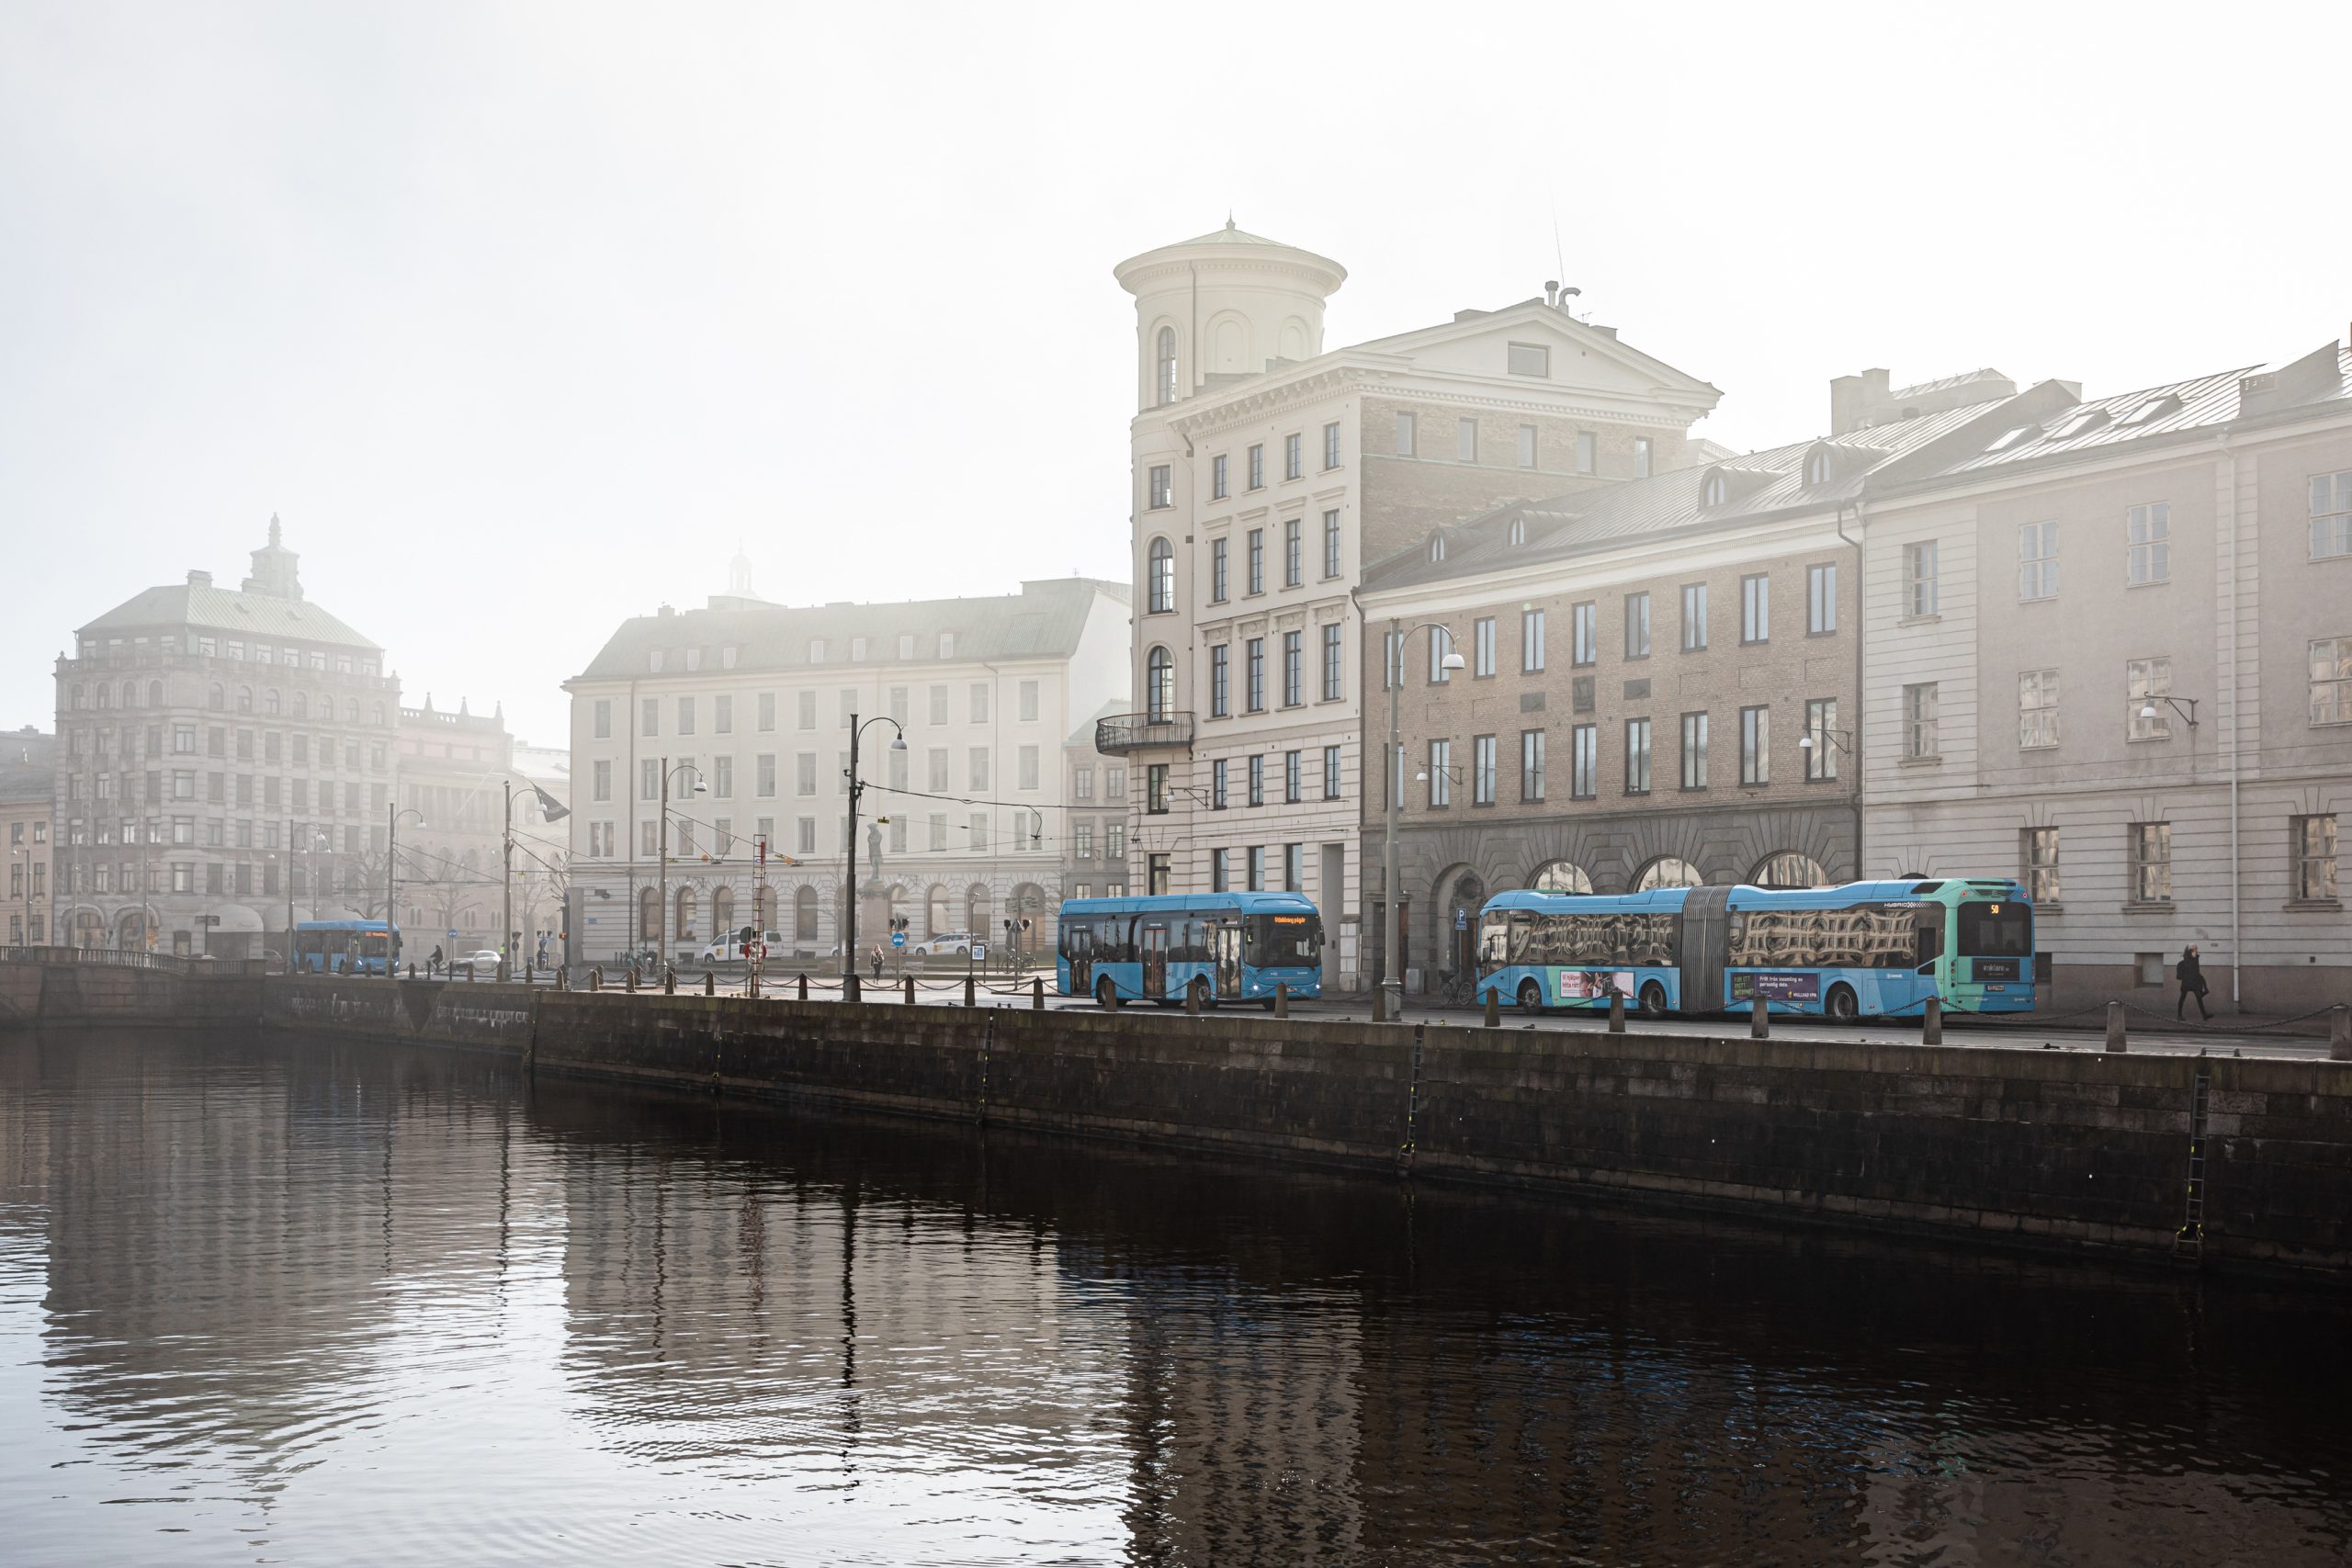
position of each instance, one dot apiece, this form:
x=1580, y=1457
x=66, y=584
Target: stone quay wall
x=2084, y=1151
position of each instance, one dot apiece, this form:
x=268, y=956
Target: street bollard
x=1494, y=1009
x=2339, y=1033
x=631, y=984
x=1931, y=1023
x=563, y=978
x=1038, y=994
x=668, y=981
x=2115, y=1037
x=1616, y=1013
x=804, y=985
x=910, y=983
x=1193, y=1000
x=1380, y=1004
x=968, y=997
x=1282, y=999
x=597, y=980
x=1759, y=1021
x=710, y=982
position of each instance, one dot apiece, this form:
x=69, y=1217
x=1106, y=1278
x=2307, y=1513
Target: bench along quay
x=2223, y=1161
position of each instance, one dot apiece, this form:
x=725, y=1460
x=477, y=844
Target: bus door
x=1933, y=972
x=1229, y=958
x=1081, y=954
x=1155, y=959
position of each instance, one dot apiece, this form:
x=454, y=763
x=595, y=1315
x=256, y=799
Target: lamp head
x=1454, y=661
x=898, y=743
x=1805, y=742
x=701, y=788
x=1421, y=777
x=2149, y=711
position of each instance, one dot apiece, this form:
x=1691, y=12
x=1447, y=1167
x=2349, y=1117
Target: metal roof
x=207, y=608
x=2113, y=421
x=28, y=766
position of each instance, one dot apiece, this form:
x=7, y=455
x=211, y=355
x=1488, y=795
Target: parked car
x=479, y=965
x=947, y=944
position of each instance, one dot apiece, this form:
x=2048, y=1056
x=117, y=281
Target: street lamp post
x=857, y=788
x=1392, y=771
x=662, y=897
x=393, y=812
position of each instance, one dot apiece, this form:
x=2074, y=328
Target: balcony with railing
x=1125, y=732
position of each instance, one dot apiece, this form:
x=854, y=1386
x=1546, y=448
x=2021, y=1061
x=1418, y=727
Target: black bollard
x=967, y=990
x=669, y=980
x=1193, y=1000
x=2116, y=1039
x=910, y=983
x=1282, y=999
x=1616, y=1013
x=1759, y=1021
x=1037, y=995
x=631, y=982
x=710, y=982
x=1380, y=1004
x=2339, y=1033
x=1494, y=1009
x=1931, y=1023
x=804, y=986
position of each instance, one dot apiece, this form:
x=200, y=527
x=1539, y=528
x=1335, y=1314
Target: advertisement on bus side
x=1594, y=985
x=1775, y=988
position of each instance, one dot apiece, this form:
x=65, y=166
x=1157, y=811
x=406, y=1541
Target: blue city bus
x=343, y=947
x=1867, y=948
x=1223, y=946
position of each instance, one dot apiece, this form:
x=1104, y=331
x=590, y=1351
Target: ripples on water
x=320, y=1304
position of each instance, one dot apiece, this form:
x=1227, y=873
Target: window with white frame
x=2331, y=501
x=2314, y=851
x=1637, y=625
x=1294, y=456
x=1465, y=440
x=1642, y=451
x=1920, y=736
x=1482, y=645
x=1161, y=597
x=2038, y=863
x=1528, y=358
x=1531, y=766
x=1694, y=617
x=1531, y=640
x=2148, y=543
x=1219, y=481
x=1162, y=491
x=1164, y=380
x=1587, y=452
x=1756, y=746
x=1585, y=634
x=1637, y=756
x=2331, y=690
x=1583, y=753
x=1821, y=599
x=1331, y=544
x=2037, y=709
x=1441, y=779
x=1756, y=608
x=1919, y=566
x=1482, y=770
x=2146, y=716
x=1440, y=644
x=1332, y=446
x=1527, y=447
x=1821, y=728
x=2037, y=560
x=2151, y=863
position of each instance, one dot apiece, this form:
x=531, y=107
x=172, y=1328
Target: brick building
x=27, y=790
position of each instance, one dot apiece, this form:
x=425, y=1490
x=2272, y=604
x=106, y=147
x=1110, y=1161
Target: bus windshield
x=1996, y=930
x=1283, y=942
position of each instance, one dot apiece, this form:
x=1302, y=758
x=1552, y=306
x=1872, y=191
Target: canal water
x=318, y=1303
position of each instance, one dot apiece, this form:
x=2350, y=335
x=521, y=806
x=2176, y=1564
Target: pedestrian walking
x=874, y=959
x=2191, y=975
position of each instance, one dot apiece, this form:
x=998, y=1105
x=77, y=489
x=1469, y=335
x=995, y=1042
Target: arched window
x=1165, y=380
x=1816, y=468
x=722, y=913
x=1159, y=684
x=1517, y=531
x=804, y=915
x=377, y=717
x=686, y=914
x=74, y=699
x=1162, y=579
x=350, y=710
x=130, y=694
x=648, y=915
x=1561, y=876
x=301, y=705
x=1789, y=869
x=106, y=695
x=1667, y=871
x=1437, y=546
x=977, y=910
x=155, y=693
x=937, y=912
x=214, y=699
x=1714, y=491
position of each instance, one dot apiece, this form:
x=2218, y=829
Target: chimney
x=199, y=579
x=1552, y=291
x=1852, y=399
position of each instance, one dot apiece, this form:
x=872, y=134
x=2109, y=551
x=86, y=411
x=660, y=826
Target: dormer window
x=654, y=661
x=2082, y=423
x=816, y=651
x=1714, y=491
x=2018, y=437
x=1437, y=546
x=1816, y=468
x=1517, y=532
x=2153, y=410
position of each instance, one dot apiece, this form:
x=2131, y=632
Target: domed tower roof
x=1223, y=305
x=1229, y=246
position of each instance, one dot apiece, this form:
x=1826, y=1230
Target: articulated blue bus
x=1867, y=948
x=343, y=947
x=1223, y=946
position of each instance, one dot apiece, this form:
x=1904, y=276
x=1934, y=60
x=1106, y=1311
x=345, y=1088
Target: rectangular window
x=1331, y=544
x=2314, y=844
x=1028, y=763
x=804, y=773
x=1293, y=669
x=1257, y=862
x=816, y=651
x=1217, y=482
x=601, y=784
x=1219, y=776
x=1219, y=872
x=767, y=712
x=1920, y=736
x=1482, y=770
x=1642, y=449
x=1081, y=784
x=1294, y=868
x=722, y=777
x=1531, y=641
x=1919, y=564
x=2145, y=717
x=1330, y=773
x=1821, y=730
x=649, y=780
x=1257, y=561
x=848, y=705
x=1258, y=467
x=2151, y=863
x=1331, y=446
x=2038, y=863
x=1254, y=674
x=1028, y=694
x=1694, y=750
x=1528, y=358
x=1531, y=765
x=1334, y=666
x=2331, y=501
x=1694, y=617
x=1585, y=633
x=937, y=763
x=1482, y=647
x=976, y=832
x=1441, y=773
x=1756, y=608
x=604, y=719
x=1465, y=440
x=2037, y=560
x=1756, y=746
x=1637, y=625
x=1821, y=599
x=976, y=765
x=1294, y=777
x=1294, y=460
x=1637, y=756
x=1220, y=679
x=2332, y=679
x=806, y=707
x=2037, y=708
x=1163, y=492
x=938, y=821
x=722, y=715
x=649, y=716
x=1584, y=746
x=979, y=702
x=1527, y=447
x=1220, y=569
x=763, y=766
x=1440, y=644
x=1294, y=552
x=1587, y=452
x=1404, y=435
x=2148, y=534
x=1257, y=779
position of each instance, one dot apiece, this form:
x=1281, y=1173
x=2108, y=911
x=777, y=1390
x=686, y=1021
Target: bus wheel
x=1842, y=1005
x=1106, y=995
x=1653, y=1000
x=1531, y=997
x=1202, y=996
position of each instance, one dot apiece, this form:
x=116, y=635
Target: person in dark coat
x=2191, y=975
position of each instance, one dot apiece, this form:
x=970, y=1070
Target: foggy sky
x=522, y=316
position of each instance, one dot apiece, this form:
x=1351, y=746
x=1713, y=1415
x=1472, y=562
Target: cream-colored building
x=27, y=787
x=1267, y=471
x=752, y=702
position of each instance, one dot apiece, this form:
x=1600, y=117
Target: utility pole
x=1392, y=786
x=506, y=885
x=857, y=788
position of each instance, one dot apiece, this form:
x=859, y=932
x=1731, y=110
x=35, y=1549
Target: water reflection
x=324, y=1304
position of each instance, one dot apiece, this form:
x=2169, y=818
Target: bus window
x=1283, y=941
x=1996, y=930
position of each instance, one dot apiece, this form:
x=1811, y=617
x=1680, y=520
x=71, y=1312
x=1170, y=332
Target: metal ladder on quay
x=2189, y=1242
